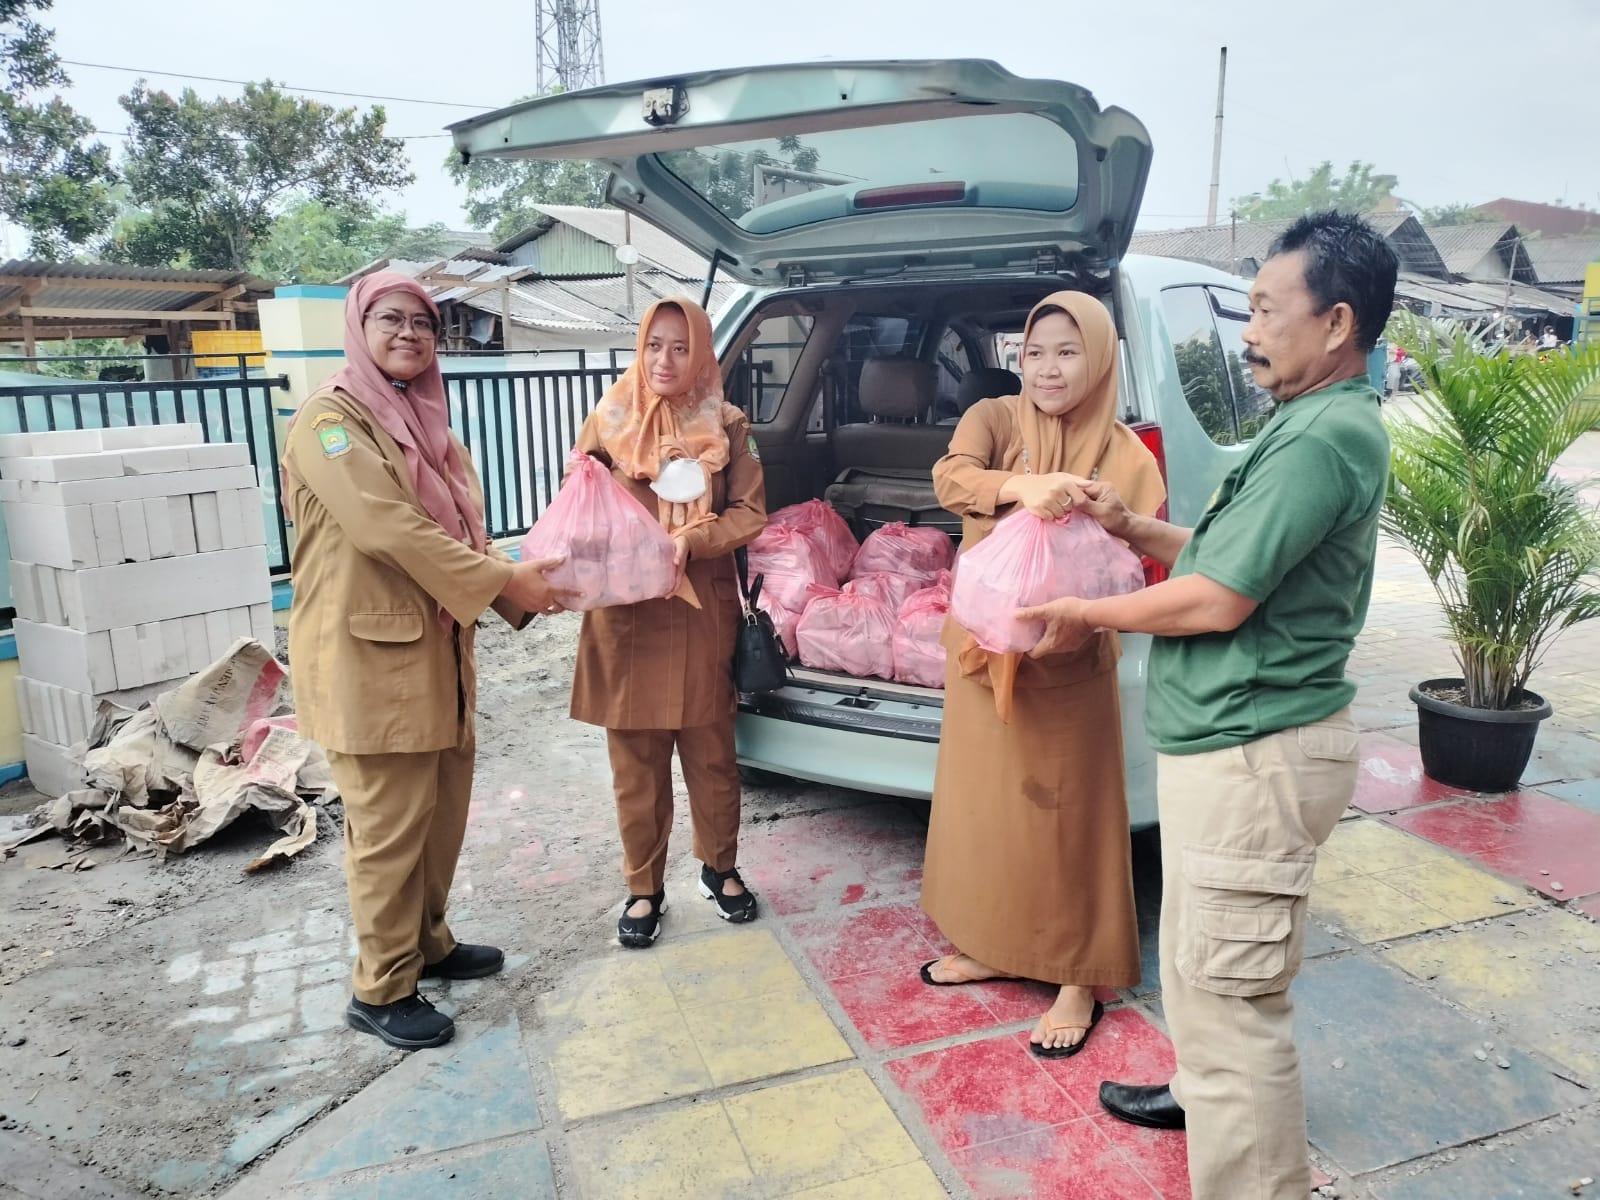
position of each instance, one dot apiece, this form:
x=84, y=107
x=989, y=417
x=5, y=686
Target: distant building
x=1546, y=220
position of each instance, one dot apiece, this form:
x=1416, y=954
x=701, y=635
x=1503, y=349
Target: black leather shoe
x=467, y=962
x=1150, y=1105
x=409, y=1024
x=738, y=908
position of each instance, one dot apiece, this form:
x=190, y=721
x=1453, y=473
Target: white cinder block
x=55, y=724
x=61, y=441
x=261, y=625
x=239, y=623
x=230, y=520
x=180, y=511
x=50, y=769
x=135, y=537
x=63, y=468
x=207, y=522
x=152, y=652
x=176, y=646
x=157, y=526
x=131, y=437
x=219, y=635
x=252, y=512
x=155, y=460
x=70, y=713
x=65, y=657
x=54, y=588
x=24, y=705
x=25, y=596
x=219, y=454
x=54, y=536
x=126, y=656
x=134, y=593
x=107, y=532
x=126, y=487
x=194, y=639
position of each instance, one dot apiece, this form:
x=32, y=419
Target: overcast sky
x=1464, y=100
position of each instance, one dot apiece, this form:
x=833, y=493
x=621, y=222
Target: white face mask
x=679, y=481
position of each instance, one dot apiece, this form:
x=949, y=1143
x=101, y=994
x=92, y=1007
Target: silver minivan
x=890, y=225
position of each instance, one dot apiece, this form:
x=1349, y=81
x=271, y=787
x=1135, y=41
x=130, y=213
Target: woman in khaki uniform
x=659, y=674
x=392, y=568
x=1028, y=869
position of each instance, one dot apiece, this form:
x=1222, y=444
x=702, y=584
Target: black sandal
x=639, y=933
x=738, y=908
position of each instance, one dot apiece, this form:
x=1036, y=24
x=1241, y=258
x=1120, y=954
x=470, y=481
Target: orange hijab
x=641, y=430
x=1088, y=442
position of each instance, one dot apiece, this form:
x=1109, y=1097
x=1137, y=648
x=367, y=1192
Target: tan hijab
x=1088, y=442
x=641, y=429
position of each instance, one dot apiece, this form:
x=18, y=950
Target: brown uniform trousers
x=384, y=682
x=659, y=675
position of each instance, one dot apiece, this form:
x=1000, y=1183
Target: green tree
x=313, y=242
x=54, y=182
x=210, y=176
x=502, y=192
x=1358, y=190
x=1455, y=214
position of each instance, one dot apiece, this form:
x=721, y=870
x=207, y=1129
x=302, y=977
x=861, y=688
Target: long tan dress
x=1028, y=865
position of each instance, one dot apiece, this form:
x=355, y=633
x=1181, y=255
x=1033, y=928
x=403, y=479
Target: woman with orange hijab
x=392, y=568
x=1028, y=869
x=659, y=674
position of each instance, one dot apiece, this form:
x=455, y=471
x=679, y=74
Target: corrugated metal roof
x=608, y=225
x=1464, y=246
x=1551, y=220
x=1562, y=260
x=1471, y=296
x=597, y=305
x=111, y=286
x=1249, y=241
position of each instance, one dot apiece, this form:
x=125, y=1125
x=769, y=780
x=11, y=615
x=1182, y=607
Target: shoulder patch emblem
x=335, y=441
x=755, y=451
x=327, y=418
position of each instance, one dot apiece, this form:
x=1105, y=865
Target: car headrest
x=985, y=383
x=896, y=389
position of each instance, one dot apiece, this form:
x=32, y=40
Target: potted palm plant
x=1511, y=548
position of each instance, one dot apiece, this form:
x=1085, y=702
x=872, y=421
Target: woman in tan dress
x=659, y=674
x=1028, y=869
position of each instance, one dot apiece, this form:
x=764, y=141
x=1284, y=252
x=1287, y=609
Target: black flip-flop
x=927, y=974
x=1040, y=1051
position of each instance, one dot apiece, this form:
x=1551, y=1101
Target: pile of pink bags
x=917, y=552
x=1028, y=560
x=918, y=652
x=614, y=551
x=850, y=632
x=825, y=529
x=792, y=564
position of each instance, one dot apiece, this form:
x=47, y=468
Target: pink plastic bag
x=918, y=653
x=826, y=528
x=918, y=552
x=784, y=623
x=893, y=590
x=615, y=550
x=791, y=562
x=1028, y=560
x=853, y=633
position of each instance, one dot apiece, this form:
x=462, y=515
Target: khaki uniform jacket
x=376, y=670
x=663, y=664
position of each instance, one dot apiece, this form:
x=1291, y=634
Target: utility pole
x=1216, y=145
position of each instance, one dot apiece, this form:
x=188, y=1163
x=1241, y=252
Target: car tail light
x=1150, y=435
x=905, y=194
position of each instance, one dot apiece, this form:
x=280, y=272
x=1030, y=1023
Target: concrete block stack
x=138, y=558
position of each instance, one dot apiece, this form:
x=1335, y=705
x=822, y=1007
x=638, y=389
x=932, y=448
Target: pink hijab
x=416, y=418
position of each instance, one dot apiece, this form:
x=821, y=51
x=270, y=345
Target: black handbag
x=758, y=659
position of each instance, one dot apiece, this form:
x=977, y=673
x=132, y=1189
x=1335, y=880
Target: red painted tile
x=1161, y=1156
x=834, y=860
x=929, y=929
x=982, y=1091
x=1070, y=1162
x=871, y=940
x=1391, y=777
x=1528, y=835
x=1026, y=999
x=1124, y=1048
x=894, y=1008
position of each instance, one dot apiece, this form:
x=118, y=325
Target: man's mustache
x=1253, y=359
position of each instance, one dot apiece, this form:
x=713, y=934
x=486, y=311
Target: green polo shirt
x=1294, y=527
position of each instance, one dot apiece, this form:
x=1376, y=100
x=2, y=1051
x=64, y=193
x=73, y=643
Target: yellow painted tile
x=764, y=1036
x=1534, y=974
x=626, y=1065
x=1372, y=911
x=689, y=1152
x=1371, y=846
x=1460, y=892
x=913, y=1181
x=620, y=989
x=1330, y=867
x=736, y=965
x=819, y=1131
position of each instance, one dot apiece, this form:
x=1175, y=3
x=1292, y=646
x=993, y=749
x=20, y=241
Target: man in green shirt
x=1248, y=706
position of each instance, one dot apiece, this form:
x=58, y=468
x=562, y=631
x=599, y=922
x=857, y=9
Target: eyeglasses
x=392, y=322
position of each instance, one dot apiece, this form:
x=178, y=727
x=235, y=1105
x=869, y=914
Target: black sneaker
x=467, y=962
x=409, y=1024
x=640, y=933
x=738, y=908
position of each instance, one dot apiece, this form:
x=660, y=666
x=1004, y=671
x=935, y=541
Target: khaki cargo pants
x=1240, y=829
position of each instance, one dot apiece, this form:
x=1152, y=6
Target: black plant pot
x=1479, y=749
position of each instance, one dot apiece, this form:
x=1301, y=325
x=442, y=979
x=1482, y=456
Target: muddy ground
x=168, y=1023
